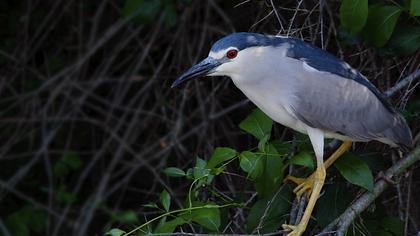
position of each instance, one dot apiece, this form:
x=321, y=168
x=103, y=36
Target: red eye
x=232, y=53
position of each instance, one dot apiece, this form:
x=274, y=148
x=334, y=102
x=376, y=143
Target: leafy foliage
x=355, y=170
x=115, y=232
x=303, y=158
x=414, y=8
x=207, y=216
x=382, y=25
x=257, y=124
x=267, y=213
x=26, y=220
x=174, y=172
x=251, y=164
x=145, y=11
x=87, y=118
x=263, y=166
x=404, y=41
x=332, y=203
x=353, y=14
x=129, y=216
x=220, y=155
x=165, y=200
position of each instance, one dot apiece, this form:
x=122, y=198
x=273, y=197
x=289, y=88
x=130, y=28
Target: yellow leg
x=312, y=185
x=345, y=146
x=306, y=184
x=318, y=181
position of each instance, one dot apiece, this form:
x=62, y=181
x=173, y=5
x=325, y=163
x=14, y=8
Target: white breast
x=274, y=107
x=270, y=89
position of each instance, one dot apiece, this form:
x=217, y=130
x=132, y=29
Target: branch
x=345, y=219
x=404, y=82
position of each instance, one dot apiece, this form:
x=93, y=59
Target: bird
x=307, y=89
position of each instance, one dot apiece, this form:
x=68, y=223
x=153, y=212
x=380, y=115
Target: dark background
x=88, y=120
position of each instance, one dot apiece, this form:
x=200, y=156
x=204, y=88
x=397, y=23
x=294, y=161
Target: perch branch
x=404, y=82
x=345, y=219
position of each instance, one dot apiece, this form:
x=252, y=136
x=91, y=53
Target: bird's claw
x=295, y=230
x=305, y=185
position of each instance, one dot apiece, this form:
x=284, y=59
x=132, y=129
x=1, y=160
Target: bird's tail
x=400, y=133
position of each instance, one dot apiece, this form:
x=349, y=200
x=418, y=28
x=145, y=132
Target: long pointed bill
x=203, y=68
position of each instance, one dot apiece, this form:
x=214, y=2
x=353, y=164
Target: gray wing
x=333, y=103
x=323, y=61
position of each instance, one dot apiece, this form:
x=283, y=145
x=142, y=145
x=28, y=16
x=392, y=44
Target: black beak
x=203, y=68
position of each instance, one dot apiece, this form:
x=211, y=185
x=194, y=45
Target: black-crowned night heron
x=309, y=90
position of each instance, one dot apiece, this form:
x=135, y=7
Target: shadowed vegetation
x=94, y=139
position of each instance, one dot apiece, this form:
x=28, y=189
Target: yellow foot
x=296, y=230
x=303, y=185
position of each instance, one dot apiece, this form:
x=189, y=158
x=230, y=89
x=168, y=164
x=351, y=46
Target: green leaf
x=174, y=172
x=72, y=159
x=332, y=203
x=262, y=143
x=404, y=41
x=200, y=169
x=151, y=205
x=355, y=170
x=16, y=226
x=353, y=14
x=141, y=11
x=115, y=232
x=283, y=148
x=374, y=161
x=128, y=216
x=393, y=225
x=303, y=158
x=63, y=195
x=303, y=142
x=415, y=8
x=169, y=226
x=37, y=220
x=190, y=173
x=28, y=218
x=165, y=199
x=208, y=216
x=60, y=169
x=200, y=163
x=69, y=161
x=221, y=154
x=380, y=24
x=251, y=164
x=272, y=175
x=201, y=172
x=171, y=15
x=271, y=210
x=380, y=224
x=257, y=124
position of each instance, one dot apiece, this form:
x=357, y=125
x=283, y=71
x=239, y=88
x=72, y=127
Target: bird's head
x=229, y=55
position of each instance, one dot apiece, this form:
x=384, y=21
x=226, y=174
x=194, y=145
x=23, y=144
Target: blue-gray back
x=315, y=57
